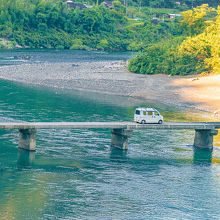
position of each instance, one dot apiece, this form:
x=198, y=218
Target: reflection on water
x=202, y=156
x=117, y=154
x=25, y=158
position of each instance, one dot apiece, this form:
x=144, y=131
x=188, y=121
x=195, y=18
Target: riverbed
x=107, y=74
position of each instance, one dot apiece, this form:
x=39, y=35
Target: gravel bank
x=101, y=77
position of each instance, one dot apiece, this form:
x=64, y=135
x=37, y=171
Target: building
x=72, y=4
x=173, y=16
x=155, y=20
x=108, y=4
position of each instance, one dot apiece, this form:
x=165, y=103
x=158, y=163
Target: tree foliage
x=194, y=21
x=51, y=24
x=206, y=45
x=194, y=53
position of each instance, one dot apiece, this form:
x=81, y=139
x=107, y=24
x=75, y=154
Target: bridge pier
x=27, y=139
x=120, y=138
x=204, y=138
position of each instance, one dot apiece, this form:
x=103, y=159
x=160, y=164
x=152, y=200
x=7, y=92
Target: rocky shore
x=110, y=78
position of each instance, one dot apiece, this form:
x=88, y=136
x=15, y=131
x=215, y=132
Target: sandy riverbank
x=113, y=78
x=204, y=91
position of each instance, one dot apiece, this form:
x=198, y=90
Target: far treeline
x=178, y=4
x=196, y=50
x=53, y=24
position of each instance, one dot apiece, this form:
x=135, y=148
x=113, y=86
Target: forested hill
x=52, y=24
x=197, y=50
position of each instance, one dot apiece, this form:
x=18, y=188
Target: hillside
x=197, y=50
x=52, y=24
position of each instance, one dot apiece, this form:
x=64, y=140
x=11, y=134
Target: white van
x=147, y=115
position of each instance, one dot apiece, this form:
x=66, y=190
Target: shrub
x=103, y=44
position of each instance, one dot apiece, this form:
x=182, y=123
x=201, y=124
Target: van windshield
x=137, y=112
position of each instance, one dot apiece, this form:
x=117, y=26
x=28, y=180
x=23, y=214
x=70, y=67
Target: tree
x=205, y=46
x=194, y=21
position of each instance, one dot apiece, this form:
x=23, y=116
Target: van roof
x=147, y=109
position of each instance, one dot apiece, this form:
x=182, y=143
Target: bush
x=77, y=44
x=103, y=44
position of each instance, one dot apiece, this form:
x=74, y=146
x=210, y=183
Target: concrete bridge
x=121, y=131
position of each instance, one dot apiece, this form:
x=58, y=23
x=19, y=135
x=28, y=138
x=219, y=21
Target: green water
x=75, y=174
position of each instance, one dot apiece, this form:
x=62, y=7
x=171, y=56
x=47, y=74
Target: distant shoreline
x=112, y=77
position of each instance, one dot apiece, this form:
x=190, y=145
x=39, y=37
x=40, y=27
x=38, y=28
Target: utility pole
x=126, y=5
x=140, y=6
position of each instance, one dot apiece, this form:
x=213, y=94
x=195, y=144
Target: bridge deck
x=111, y=125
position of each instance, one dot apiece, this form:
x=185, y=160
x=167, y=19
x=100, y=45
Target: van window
x=137, y=112
x=150, y=113
x=144, y=113
x=156, y=114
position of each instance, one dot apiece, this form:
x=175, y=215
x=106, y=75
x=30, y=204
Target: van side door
x=150, y=117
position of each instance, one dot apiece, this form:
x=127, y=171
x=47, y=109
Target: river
x=75, y=174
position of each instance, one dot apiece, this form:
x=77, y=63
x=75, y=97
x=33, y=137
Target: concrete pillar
x=120, y=138
x=204, y=138
x=27, y=139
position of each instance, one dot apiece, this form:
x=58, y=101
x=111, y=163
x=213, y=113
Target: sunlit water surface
x=75, y=174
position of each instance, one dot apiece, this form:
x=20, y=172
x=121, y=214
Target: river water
x=75, y=174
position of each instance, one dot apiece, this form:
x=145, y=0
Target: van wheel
x=143, y=122
x=160, y=122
